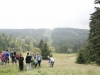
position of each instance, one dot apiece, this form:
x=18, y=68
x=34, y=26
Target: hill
x=62, y=39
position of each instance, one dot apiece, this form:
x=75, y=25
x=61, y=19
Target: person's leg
x=8, y=60
x=5, y=61
x=12, y=61
x=21, y=67
x=16, y=62
x=29, y=66
x=2, y=62
x=35, y=65
x=52, y=64
x=39, y=62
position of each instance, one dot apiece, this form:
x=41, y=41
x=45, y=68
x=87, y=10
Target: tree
x=93, y=47
x=97, y=1
x=35, y=51
x=94, y=36
x=41, y=44
x=81, y=57
x=45, y=51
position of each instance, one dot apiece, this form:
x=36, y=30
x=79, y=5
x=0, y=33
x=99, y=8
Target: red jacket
x=2, y=56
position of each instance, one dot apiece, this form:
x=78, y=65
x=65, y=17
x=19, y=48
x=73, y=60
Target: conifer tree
x=45, y=51
x=92, y=50
x=94, y=36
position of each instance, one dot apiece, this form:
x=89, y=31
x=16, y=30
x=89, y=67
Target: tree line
x=23, y=45
x=64, y=40
x=67, y=40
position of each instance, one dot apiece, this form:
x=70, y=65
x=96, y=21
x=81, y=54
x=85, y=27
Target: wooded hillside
x=62, y=39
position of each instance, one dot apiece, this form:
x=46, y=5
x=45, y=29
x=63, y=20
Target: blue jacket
x=6, y=54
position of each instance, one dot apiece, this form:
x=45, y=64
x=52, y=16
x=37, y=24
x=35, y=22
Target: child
x=36, y=61
x=21, y=63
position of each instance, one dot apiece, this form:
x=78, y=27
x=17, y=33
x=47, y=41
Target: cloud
x=45, y=14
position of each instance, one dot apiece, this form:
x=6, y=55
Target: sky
x=49, y=14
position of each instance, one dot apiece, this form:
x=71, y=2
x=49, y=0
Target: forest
x=62, y=40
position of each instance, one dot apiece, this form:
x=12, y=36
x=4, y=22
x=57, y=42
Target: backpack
x=11, y=54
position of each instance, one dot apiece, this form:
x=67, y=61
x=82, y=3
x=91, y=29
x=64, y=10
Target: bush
x=81, y=56
x=35, y=51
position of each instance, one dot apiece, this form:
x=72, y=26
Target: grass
x=64, y=65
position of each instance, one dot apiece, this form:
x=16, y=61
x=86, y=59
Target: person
x=39, y=59
x=2, y=57
x=51, y=61
x=6, y=57
x=21, y=63
x=28, y=61
x=17, y=56
x=36, y=62
x=13, y=57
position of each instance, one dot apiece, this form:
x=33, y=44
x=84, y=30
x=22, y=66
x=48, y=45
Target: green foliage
x=81, y=56
x=61, y=39
x=9, y=42
x=94, y=37
x=67, y=38
x=44, y=49
x=92, y=50
x=37, y=34
x=35, y=51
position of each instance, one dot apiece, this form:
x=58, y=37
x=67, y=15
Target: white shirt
x=51, y=59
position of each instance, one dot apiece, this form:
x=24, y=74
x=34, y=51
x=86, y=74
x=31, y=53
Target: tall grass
x=64, y=65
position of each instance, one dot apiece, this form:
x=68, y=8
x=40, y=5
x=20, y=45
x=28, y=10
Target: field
x=64, y=65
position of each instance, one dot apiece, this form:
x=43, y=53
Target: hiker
x=32, y=60
x=6, y=57
x=17, y=56
x=51, y=61
x=36, y=62
x=28, y=61
x=13, y=57
x=39, y=59
x=21, y=63
x=2, y=57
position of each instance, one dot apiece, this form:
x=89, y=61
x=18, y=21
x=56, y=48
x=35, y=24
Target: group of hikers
x=18, y=58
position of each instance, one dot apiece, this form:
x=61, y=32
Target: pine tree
x=41, y=43
x=92, y=51
x=45, y=51
x=94, y=36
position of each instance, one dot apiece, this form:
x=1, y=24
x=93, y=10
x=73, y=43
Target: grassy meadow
x=64, y=65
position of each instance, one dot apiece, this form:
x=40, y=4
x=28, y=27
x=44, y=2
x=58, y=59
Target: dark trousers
x=39, y=62
x=21, y=67
x=35, y=65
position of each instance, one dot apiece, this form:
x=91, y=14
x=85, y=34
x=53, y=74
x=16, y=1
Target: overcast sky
x=20, y=14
